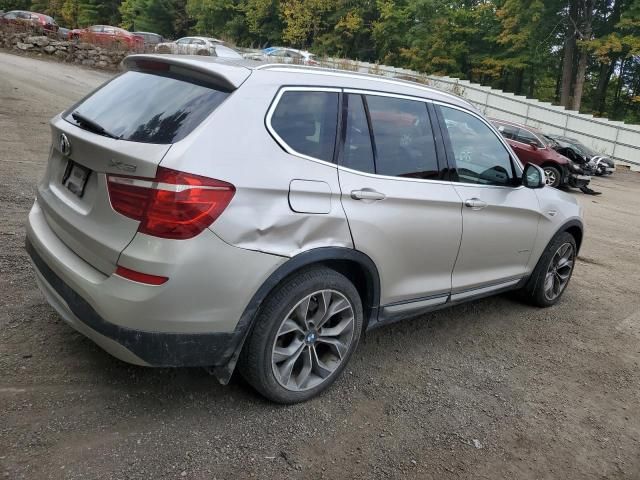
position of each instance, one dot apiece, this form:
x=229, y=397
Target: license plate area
x=75, y=178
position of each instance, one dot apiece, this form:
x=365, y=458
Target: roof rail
x=349, y=74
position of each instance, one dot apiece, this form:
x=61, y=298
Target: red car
x=106, y=35
x=532, y=146
x=23, y=18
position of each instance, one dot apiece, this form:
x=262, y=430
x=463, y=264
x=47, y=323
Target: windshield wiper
x=92, y=125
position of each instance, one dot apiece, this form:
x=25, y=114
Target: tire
x=553, y=175
x=277, y=333
x=536, y=291
x=163, y=49
x=203, y=52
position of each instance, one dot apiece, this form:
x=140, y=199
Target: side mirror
x=533, y=145
x=533, y=176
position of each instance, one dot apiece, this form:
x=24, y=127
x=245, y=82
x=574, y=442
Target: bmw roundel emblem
x=65, y=146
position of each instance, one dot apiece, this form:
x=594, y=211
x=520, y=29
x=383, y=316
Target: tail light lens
x=174, y=205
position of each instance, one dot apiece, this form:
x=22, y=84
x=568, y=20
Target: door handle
x=367, y=195
x=475, y=203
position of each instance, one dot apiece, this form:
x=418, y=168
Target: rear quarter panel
x=233, y=145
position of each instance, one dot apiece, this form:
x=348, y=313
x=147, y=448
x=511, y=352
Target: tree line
x=582, y=54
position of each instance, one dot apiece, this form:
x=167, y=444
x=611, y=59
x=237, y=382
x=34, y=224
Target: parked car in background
x=23, y=18
x=267, y=217
x=198, y=46
x=578, y=152
x=106, y=35
x=283, y=55
x=532, y=146
x=150, y=39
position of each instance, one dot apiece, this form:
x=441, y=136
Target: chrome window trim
x=391, y=177
x=360, y=91
x=279, y=140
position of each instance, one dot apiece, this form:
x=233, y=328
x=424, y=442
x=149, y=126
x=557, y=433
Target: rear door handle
x=367, y=195
x=475, y=203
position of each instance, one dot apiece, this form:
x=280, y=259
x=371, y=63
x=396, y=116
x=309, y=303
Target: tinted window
x=507, y=131
x=358, y=153
x=480, y=156
x=307, y=122
x=524, y=136
x=147, y=108
x=404, y=142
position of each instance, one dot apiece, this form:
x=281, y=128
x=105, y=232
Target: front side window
x=183, y=41
x=403, y=138
x=307, y=122
x=479, y=155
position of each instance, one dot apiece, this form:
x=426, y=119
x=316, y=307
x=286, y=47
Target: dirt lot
x=493, y=389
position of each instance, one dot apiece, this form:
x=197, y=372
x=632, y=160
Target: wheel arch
x=576, y=229
x=353, y=264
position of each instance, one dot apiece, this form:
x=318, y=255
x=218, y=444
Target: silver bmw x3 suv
x=202, y=212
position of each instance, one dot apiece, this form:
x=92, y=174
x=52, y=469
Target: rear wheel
x=552, y=273
x=303, y=337
x=553, y=176
x=203, y=52
x=163, y=49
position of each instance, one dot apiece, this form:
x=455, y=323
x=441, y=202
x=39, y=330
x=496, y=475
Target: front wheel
x=553, y=176
x=304, y=336
x=552, y=273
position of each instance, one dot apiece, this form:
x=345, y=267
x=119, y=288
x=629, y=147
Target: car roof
x=235, y=72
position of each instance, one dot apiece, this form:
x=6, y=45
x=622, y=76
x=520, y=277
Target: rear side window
x=149, y=108
x=358, y=153
x=307, y=122
x=404, y=142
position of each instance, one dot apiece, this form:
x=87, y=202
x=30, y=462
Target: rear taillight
x=173, y=205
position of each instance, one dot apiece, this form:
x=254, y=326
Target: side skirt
x=395, y=312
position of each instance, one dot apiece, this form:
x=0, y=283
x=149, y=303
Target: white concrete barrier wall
x=615, y=139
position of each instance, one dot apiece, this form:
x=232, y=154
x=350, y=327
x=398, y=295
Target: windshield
x=146, y=108
x=584, y=149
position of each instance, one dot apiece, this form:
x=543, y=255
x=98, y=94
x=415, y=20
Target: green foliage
x=516, y=45
x=157, y=16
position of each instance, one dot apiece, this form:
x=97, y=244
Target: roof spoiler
x=222, y=74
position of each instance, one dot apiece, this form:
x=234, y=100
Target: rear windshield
x=148, y=108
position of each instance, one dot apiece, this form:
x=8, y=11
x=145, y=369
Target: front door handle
x=475, y=203
x=367, y=195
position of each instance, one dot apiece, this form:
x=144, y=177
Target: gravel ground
x=492, y=389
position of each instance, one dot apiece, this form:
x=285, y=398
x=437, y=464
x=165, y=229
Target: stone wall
x=66, y=51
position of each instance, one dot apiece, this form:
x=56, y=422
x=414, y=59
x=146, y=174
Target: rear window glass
x=149, y=108
x=307, y=122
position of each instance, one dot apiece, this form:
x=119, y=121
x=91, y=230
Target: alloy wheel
x=313, y=339
x=550, y=176
x=559, y=271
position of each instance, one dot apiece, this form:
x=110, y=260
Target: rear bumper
x=132, y=346
x=194, y=319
